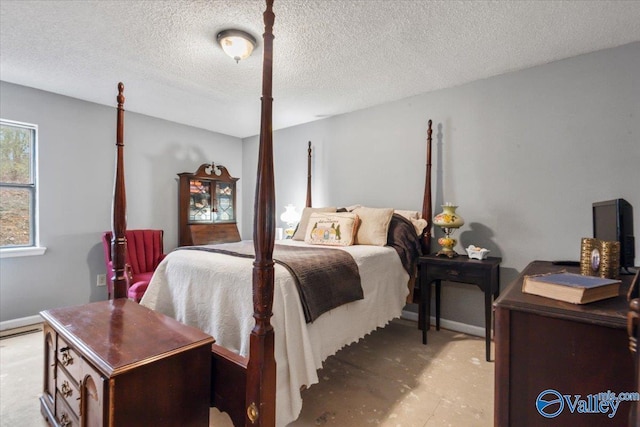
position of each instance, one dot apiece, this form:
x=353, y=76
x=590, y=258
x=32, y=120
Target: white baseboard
x=19, y=323
x=452, y=325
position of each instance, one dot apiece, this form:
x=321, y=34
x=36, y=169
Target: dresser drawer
x=65, y=416
x=68, y=358
x=69, y=390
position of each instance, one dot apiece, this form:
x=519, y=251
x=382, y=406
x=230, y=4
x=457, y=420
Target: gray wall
x=524, y=155
x=77, y=158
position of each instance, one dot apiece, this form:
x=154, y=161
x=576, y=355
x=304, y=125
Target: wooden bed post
x=261, y=369
x=119, y=209
x=308, y=204
x=426, y=203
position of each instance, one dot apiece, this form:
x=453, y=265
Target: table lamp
x=449, y=221
x=291, y=218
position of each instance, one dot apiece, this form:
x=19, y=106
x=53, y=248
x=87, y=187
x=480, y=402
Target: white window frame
x=34, y=248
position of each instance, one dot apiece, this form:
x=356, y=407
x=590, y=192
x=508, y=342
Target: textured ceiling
x=330, y=56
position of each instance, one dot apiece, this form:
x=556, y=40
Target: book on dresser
x=571, y=287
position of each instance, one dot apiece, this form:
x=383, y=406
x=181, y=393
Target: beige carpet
x=387, y=379
x=21, y=373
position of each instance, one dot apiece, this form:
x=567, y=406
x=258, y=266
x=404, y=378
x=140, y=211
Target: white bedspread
x=213, y=292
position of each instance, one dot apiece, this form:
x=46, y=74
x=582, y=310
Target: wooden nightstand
x=116, y=363
x=483, y=273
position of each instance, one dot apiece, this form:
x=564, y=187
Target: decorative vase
x=449, y=221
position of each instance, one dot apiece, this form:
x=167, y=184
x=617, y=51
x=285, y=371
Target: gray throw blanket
x=326, y=278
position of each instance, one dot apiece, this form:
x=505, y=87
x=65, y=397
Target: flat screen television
x=613, y=221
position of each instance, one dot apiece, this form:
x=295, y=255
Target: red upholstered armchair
x=144, y=252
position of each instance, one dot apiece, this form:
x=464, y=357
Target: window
x=18, y=190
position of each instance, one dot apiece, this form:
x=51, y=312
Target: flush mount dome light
x=236, y=43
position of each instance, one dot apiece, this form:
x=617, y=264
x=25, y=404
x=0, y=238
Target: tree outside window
x=17, y=185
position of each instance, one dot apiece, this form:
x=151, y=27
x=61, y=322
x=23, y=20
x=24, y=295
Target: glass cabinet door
x=224, y=209
x=200, y=201
x=207, y=211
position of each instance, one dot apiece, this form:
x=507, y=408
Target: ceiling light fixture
x=236, y=43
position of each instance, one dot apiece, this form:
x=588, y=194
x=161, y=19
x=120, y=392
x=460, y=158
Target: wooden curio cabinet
x=207, y=210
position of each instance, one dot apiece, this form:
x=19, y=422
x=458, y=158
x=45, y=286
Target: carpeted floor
x=21, y=373
x=387, y=379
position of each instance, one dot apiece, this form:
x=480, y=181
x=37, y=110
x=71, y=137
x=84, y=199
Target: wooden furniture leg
x=487, y=320
x=438, y=292
x=425, y=306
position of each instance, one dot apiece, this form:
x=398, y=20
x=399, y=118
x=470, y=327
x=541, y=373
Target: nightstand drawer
x=68, y=358
x=455, y=274
x=69, y=390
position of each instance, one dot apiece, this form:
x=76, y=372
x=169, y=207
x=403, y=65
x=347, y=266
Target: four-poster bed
x=244, y=376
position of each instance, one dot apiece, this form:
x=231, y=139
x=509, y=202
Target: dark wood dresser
x=543, y=344
x=116, y=363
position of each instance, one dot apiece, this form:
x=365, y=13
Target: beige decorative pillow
x=334, y=229
x=408, y=214
x=419, y=225
x=304, y=220
x=374, y=225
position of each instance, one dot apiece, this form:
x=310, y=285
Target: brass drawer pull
x=66, y=389
x=65, y=421
x=67, y=359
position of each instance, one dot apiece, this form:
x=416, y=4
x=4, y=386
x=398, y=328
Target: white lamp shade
x=290, y=216
x=237, y=44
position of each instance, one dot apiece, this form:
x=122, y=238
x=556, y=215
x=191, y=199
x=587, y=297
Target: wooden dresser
x=543, y=344
x=116, y=363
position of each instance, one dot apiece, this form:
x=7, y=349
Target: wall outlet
x=101, y=280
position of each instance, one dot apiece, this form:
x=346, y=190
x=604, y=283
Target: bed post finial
x=119, y=207
x=426, y=203
x=260, y=399
x=120, y=119
x=308, y=204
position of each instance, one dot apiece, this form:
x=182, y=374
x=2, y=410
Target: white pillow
x=374, y=225
x=333, y=229
x=304, y=220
